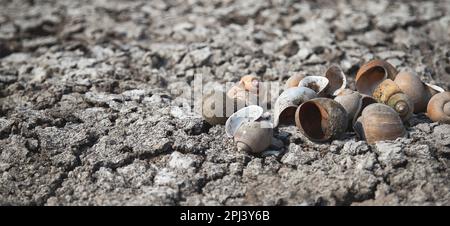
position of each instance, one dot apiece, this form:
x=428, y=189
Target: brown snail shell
x=254, y=137
x=365, y=101
x=294, y=80
x=354, y=103
x=250, y=82
x=417, y=91
x=258, y=95
x=238, y=92
x=218, y=115
x=337, y=80
x=438, y=109
x=287, y=103
x=371, y=74
x=390, y=94
x=379, y=122
x=321, y=119
x=317, y=83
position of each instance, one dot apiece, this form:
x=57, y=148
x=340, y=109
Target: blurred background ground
x=90, y=116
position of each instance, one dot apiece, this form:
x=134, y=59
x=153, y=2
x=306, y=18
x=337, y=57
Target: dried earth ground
x=91, y=114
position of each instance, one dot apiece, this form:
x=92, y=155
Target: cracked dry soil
x=90, y=116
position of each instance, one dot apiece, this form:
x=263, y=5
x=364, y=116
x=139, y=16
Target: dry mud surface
x=90, y=113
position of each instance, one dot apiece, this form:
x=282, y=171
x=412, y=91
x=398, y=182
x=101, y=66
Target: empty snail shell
x=389, y=93
x=238, y=92
x=379, y=122
x=371, y=74
x=337, y=80
x=250, y=82
x=353, y=102
x=321, y=119
x=294, y=80
x=254, y=137
x=213, y=113
x=438, y=109
x=317, y=83
x=365, y=101
x=246, y=114
x=417, y=91
x=287, y=103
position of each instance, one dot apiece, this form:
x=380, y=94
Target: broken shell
x=434, y=89
x=287, y=103
x=246, y=114
x=371, y=74
x=365, y=101
x=415, y=89
x=379, y=122
x=218, y=115
x=389, y=93
x=294, y=80
x=317, y=83
x=321, y=119
x=250, y=82
x=354, y=103
x=254, y=137
x=337, y=80
x=438, y=109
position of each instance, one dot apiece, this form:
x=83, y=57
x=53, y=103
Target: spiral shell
x=371, y=74
x=321, y=119
x=379, y=122
x=389, y=93
x=287, y=103
x=417, y=91
x=438, y=109
x=250, y=82
x=253, y=137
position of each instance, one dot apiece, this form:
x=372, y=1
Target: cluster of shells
x=323, y=108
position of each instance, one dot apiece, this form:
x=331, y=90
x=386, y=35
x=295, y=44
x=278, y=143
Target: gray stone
x=390, y=154
x=200, y=56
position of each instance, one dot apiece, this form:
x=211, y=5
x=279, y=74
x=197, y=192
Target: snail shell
x=317, y=83
x=353, y=103
x=337, y=80
x=379, y=122
x=287, y=103
x=417, y=91
x=240, y=93
x=321, y=119
x=237, y=92
x=213, y=113
x=371, y=74
x=294, y=80
x=438, y=109
x=389, y=93
x=254, y=137
x=246, y=114
x=250, y=82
